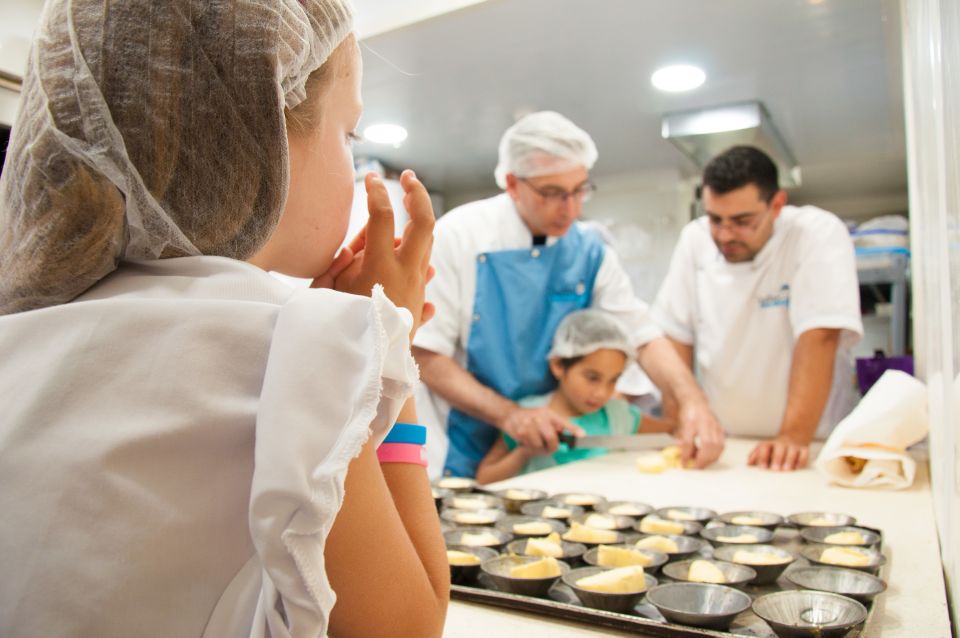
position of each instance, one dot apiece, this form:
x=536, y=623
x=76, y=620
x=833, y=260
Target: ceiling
x=829, y=72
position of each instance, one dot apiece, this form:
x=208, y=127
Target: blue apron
x=521, y=297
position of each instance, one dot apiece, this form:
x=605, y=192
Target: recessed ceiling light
x=677, y=78
x=385, y=134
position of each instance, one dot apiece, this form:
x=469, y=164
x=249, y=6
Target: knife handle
x=568, y=439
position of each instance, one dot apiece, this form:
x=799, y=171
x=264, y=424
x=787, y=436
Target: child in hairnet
x=191, y=447
x=590, y=351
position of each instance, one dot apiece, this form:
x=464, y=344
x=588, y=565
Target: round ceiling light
x=385, y=134
x=677, y=78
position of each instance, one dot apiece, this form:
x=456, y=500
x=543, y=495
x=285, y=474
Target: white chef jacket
x=173, y=449
x=491, y=225
x=743, y=318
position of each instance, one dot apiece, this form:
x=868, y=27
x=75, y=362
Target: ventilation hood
x=701, y=134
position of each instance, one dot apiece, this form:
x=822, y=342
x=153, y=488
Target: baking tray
x=563, y=604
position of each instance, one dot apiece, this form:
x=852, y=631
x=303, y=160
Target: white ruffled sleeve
x=338, y=371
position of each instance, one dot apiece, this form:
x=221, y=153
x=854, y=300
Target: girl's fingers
x=379, y=234
x=418, y=233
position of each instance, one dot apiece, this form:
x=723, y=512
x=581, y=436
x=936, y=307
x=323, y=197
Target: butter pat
x=549, y=546
x=847, y=556
x=582, y=534
x=746, y=520
x=748, y=557
x=739, y=538
x=599, y=521
x=555, y=512
x=464, y=503
x=608, y=556
x=580, y=499
x=543, y=568
x=478, y=539
x=659, y=543
x=626, y=509
x=702, y=571
x=845, y=538
x=821, y=522
x=532, y=528
x=625, y=580
x=458, y=558
x=518, y=495
x=474, y=518
x=679, y=515
x=654, y=525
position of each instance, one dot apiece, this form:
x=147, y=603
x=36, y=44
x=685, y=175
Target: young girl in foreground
x=590, y=351
x=189, y=446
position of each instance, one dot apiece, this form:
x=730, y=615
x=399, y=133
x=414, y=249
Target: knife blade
x=621, y=442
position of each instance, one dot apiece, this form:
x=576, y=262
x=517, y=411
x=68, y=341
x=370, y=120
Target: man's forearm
x=811, y=377
x=460, y=389
x=674, y=376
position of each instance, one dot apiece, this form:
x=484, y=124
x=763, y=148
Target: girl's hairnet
x=585, y=331
x=152, y=129
x=543, y=143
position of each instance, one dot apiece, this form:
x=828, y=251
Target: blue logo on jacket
x=780, y=298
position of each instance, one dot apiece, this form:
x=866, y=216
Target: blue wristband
x=407, y=433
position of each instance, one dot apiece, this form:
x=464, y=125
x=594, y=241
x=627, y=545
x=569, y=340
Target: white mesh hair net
x=152, y=129
x=586, y=331
x=543, y=143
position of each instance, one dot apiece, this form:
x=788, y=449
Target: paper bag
x=868, y=448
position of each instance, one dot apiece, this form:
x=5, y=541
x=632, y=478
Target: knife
x=622, y=442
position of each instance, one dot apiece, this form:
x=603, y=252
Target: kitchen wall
x=931, y=54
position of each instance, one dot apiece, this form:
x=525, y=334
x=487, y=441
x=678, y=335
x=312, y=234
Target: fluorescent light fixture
x=385, y=134
x=678, y=78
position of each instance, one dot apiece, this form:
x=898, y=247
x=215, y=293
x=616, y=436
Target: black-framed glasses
x=554, y=195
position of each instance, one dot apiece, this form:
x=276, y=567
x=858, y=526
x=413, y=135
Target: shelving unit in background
x=884, y=275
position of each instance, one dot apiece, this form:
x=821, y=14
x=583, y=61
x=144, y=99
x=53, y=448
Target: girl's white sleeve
x=338, y=371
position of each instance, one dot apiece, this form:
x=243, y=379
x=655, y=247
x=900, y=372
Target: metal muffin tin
x=561, y=602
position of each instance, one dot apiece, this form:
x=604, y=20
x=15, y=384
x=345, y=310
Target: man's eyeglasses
x=553, y=195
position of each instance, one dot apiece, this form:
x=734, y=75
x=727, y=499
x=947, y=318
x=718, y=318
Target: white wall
x=931, y=55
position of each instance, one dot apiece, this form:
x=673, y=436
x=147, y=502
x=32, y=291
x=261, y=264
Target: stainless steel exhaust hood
x=702, y=133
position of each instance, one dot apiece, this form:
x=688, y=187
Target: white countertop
x=913, y=606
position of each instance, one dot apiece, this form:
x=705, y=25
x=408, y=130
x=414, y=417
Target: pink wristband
x=402, y=453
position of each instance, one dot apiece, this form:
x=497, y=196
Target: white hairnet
x=152, y=129
x=586, y=331
x=543, y=143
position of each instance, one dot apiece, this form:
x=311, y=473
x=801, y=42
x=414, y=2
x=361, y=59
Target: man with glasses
x=508, y=269
x=762, y=299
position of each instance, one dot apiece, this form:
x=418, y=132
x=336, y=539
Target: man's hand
x=536, y=429
x=700, y=435
x=781, y=454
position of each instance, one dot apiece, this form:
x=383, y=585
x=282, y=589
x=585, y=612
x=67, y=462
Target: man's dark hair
x=741, y=165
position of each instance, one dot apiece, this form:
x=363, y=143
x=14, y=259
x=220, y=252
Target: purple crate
x=869, y=370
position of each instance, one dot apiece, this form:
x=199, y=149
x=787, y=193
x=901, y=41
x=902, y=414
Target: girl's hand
x=403, y=270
